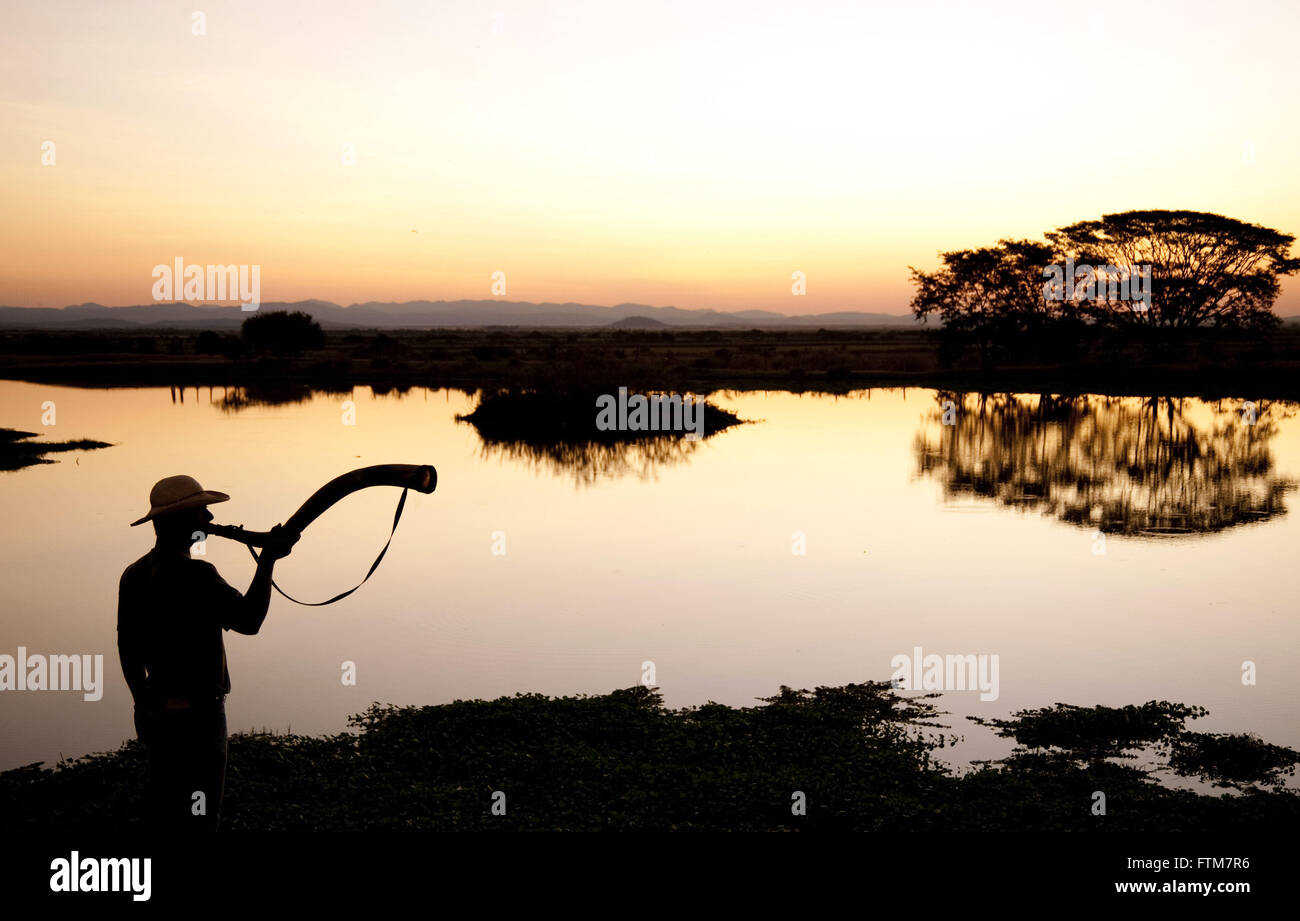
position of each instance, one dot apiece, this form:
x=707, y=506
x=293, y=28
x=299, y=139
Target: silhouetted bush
x=282, y=333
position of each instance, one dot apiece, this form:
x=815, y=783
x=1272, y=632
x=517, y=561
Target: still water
x=1107, y=551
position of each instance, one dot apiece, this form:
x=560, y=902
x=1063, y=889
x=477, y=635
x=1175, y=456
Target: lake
x=1106, y=550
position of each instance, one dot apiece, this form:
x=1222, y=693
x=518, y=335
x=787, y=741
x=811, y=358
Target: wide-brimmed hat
x=176, y=493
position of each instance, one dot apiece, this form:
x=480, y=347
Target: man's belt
x=189, y=703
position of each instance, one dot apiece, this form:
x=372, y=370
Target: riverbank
x=859, y=757
x=700, y=361
x=18, y=451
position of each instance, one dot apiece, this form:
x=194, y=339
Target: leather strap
x=397, y=516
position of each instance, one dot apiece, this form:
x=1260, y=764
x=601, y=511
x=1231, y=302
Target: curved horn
x=420, y=477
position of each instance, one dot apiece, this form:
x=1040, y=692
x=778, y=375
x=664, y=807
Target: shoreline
x=702, y=361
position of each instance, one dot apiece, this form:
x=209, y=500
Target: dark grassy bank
x=17, y=451
x=862, y=755
x=1205, y=364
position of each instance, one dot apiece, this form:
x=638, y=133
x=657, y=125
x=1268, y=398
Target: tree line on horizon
x=1146, y=276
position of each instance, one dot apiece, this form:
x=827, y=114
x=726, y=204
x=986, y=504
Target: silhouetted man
x=170, y=613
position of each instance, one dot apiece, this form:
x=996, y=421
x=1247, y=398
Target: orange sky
x=687, y=153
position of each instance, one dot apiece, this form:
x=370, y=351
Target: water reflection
x=279, y=393
x=1120, y=465
x=447, y=620
x=235, y=399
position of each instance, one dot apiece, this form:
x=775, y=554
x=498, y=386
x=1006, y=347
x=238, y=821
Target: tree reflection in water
x=591, y=461
x=1119, y=465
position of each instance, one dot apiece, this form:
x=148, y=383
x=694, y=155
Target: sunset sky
x=684, y=153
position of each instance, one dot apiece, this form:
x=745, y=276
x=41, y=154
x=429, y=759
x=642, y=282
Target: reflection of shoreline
x=235, y=399
x=1119, y=465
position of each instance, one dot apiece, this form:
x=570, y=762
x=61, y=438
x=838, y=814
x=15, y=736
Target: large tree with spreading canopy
x=1206, y=270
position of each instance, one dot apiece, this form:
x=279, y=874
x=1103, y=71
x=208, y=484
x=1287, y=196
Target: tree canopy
x=1163, y=270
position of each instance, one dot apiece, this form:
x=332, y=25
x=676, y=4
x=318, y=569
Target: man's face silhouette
x=184, y=528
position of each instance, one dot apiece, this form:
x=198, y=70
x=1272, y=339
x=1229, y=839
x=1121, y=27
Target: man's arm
x=249, y=612
x=128, y=648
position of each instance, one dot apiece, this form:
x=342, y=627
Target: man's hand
x=280, y=543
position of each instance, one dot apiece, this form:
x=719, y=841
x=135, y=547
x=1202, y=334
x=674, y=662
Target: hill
x=428, y=315
x=638, y=323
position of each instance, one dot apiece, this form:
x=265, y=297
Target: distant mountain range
x=426, y=315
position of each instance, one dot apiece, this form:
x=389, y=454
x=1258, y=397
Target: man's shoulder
x=152, y=563
x=136, y=569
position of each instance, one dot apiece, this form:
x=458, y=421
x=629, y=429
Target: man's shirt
x=171, y=610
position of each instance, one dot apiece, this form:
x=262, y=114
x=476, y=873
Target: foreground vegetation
x=861, y=754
